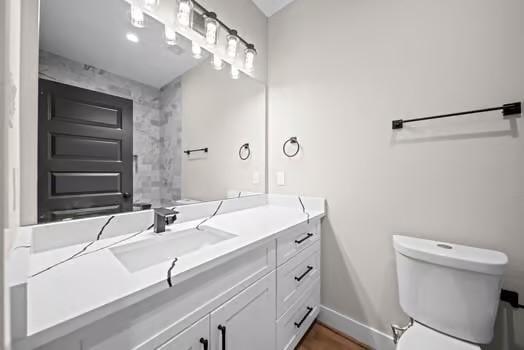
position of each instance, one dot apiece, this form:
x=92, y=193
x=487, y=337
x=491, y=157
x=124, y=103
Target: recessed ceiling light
x=132, y=37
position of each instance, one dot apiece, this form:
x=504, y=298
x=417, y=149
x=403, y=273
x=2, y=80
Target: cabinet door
x=248, y=320
x=196, y=337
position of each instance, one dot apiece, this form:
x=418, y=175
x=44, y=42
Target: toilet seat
x=419, y=337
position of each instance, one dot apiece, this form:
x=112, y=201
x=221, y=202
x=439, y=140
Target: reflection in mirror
x=129, y=119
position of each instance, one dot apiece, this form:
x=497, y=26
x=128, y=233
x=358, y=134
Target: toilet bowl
x=420, y=337
x=450, y=291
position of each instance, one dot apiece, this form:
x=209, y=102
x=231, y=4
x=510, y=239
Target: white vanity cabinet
x=246, y=321
x=264, y=298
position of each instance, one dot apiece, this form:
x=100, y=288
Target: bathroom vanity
x=245, y=278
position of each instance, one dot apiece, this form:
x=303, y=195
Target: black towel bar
x=507, y=109
x=189, y=151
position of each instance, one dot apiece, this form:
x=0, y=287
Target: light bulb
x=137, y=17
x=232, y=44
x=185, y=8
x=170, y=36
x=218, y=64
x=235, y=73
x=211, y=28
x=150, y=4
x=196, y=50
x=249, y=59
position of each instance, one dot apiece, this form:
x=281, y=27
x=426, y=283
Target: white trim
x=356, y=330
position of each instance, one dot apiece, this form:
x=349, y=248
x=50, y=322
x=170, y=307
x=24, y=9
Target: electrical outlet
x=256, y=178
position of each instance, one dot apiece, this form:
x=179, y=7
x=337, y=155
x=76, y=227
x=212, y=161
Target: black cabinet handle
x=223, y=330
x=299, y=324
x=126, y=195
x=299, y=278
x=204, y=343
x=308, y=236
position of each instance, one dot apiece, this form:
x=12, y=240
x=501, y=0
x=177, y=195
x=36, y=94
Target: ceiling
x=270, y=7
x=94, y=33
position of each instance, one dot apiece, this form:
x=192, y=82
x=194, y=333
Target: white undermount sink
x=167, y=246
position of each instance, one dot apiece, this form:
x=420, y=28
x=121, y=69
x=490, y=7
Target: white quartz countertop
x=96, y=283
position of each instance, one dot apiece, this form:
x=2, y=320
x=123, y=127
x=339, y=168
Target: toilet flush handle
x=398, y=330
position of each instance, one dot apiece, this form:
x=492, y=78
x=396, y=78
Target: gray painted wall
x=156, y=128
x=339, y=73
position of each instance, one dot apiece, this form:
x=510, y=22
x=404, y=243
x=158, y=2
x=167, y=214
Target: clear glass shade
x=235, y=73
x=249, y=59
x=232, y=45
x=196, y=50
x=185, y=12
x=151, y=4
x=137, y=17
x=170, y=36
x=218, y=64
x=211, y=28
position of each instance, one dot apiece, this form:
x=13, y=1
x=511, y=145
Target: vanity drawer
x=296, y=275
x=296, y=240
x=292, y=326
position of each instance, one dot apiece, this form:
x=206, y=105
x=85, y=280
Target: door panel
x=84, y=183
x=83, y=147
x=85, y=112
x=85, y=155
x=248, y=320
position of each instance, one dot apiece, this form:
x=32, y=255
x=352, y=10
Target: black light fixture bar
x=507, y=109
x=204, y=10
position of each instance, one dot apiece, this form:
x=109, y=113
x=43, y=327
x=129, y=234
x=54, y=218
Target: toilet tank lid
x=451, y=255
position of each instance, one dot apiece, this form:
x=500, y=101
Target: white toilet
x=450, y=291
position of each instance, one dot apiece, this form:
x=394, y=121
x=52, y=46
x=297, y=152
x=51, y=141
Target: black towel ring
x=245, y=146
x=294, y=141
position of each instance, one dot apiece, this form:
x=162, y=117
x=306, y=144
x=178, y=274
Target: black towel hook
x=293, y=140
x=245, y=146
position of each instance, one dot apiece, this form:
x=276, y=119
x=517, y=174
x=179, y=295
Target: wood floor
x=319, y=337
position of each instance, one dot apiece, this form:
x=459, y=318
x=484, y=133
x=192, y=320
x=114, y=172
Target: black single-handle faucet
x=163, y=217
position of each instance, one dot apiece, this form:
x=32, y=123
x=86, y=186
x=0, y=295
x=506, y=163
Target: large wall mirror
x=129, y=119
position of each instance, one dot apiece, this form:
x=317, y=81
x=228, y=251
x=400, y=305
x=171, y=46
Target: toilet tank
x=451, y=288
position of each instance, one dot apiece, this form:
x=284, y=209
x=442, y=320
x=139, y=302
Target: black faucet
x=163, y=217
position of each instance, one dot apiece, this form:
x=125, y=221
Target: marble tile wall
x=171, y=138
x=156, y=124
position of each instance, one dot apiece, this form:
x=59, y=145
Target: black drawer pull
x=299, y=278
x=309, y=310
x=204, y=343
x=308, y=236
x=223, y=330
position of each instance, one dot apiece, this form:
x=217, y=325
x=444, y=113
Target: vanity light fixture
x=235, y=73
x=218, y=64
x=185, y=11
x=169, y=36
x=137, y=17
x=249, y=59
x=196, y=50
x=211, y=24
x=132, y=37
x=232, y=43
x=151, y=4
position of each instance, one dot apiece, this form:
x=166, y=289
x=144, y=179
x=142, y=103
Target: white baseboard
x=356, y=330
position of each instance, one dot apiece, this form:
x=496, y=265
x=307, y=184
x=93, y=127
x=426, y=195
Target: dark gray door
x=85, y=152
